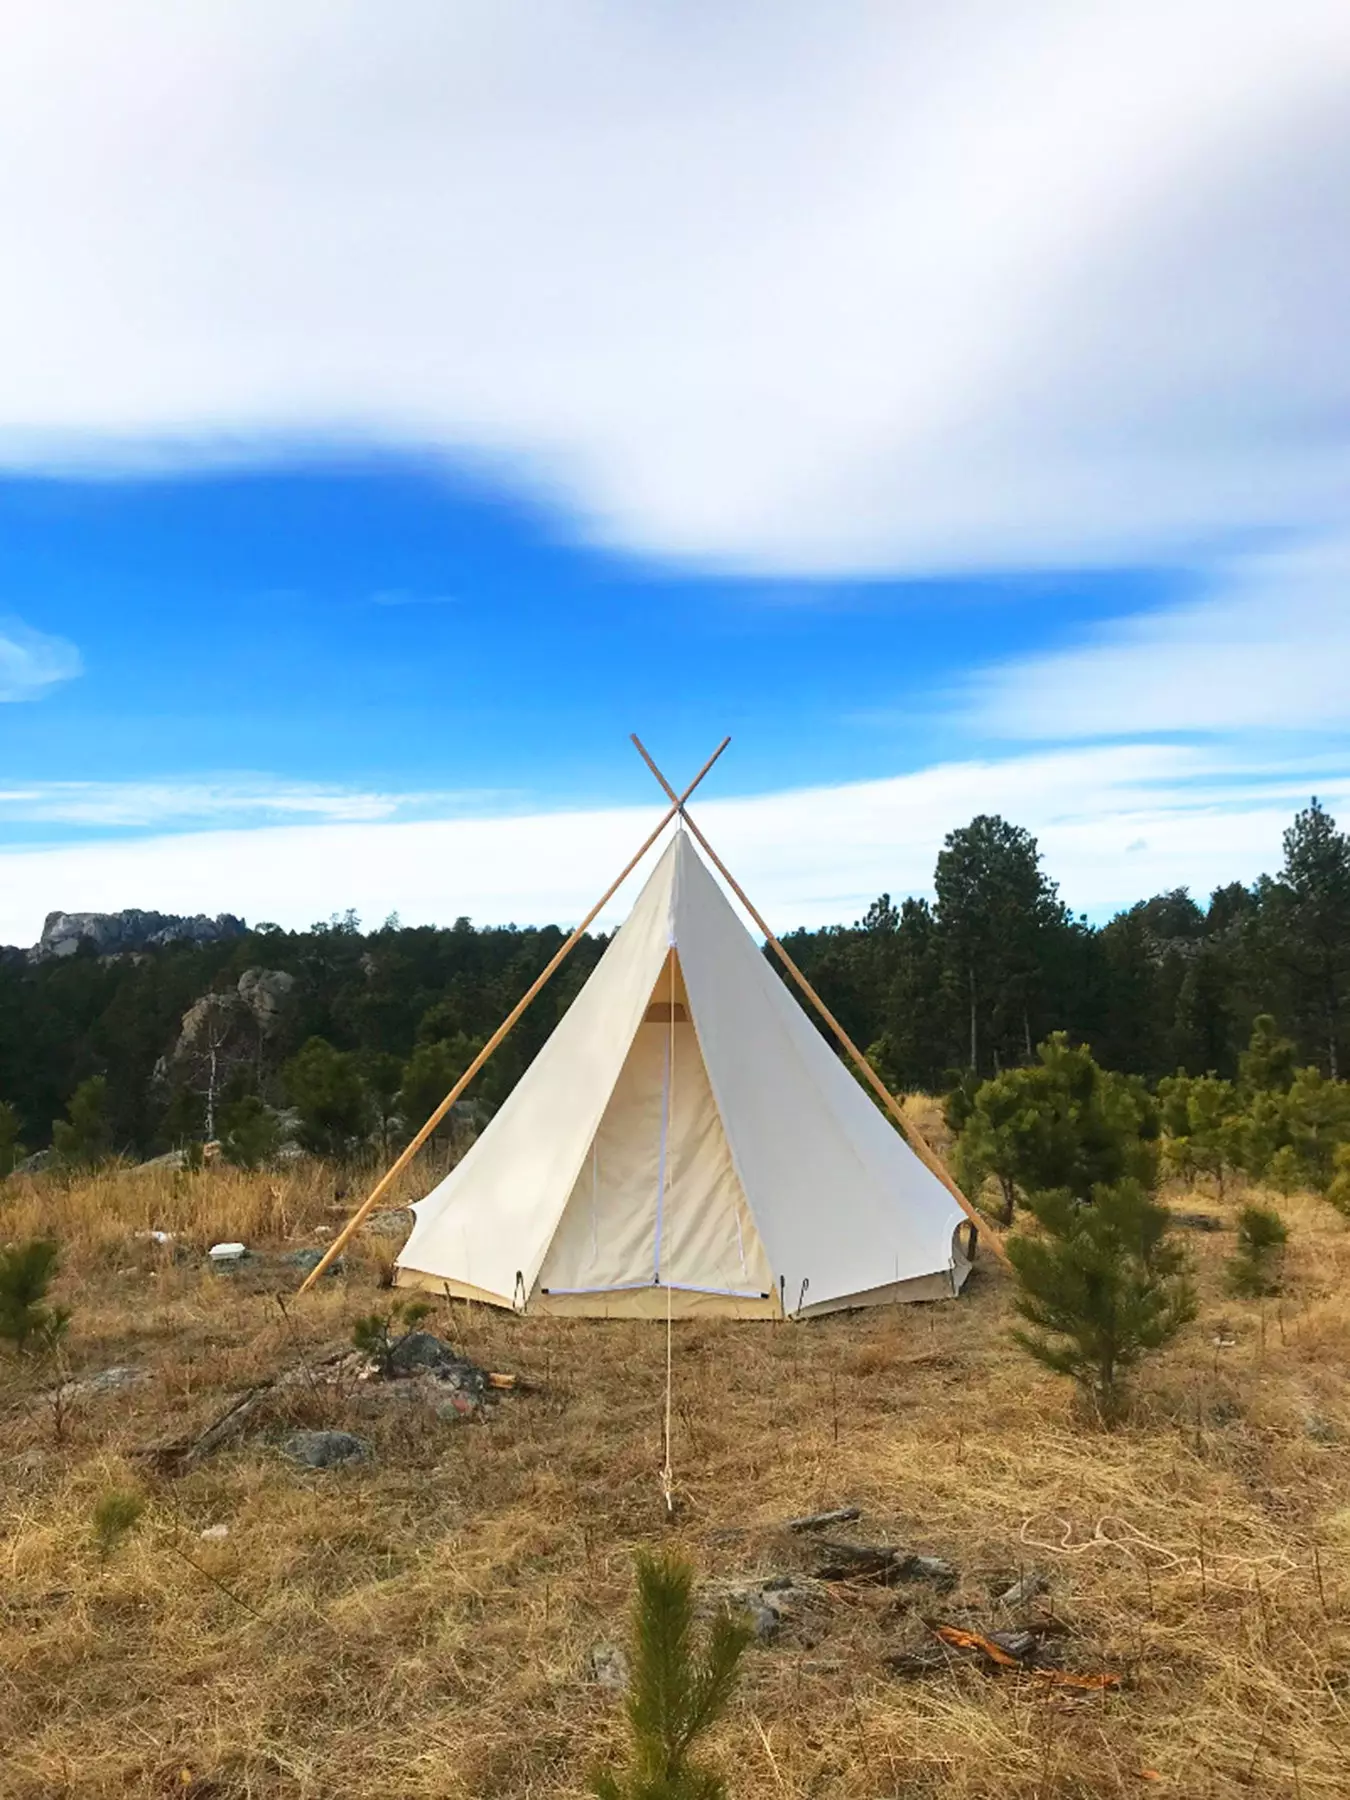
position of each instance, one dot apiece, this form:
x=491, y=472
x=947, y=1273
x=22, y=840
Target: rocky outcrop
x=265, y=992
x=115, y=934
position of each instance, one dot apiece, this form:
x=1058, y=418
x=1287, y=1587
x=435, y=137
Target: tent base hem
x=653, y=1301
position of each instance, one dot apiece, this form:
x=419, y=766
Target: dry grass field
x=419, y=1624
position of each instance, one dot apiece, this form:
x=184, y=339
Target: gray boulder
x=324, y=1449
x=266, y=992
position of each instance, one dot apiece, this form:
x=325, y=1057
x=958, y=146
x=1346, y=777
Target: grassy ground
x=419, y=1625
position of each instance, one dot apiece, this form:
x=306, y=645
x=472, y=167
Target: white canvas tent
x=687, y=1143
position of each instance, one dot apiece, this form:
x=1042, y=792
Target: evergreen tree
x=250, y=1132
x=1256, y=1267
x=325, y=1087
x=1064, y=1122
x=27, y=1323
x=1268, y=1063
x=1315, y=890
x=675, y=1695
x=11, y=1150
x=996, y=909
x=1103, y=1286
x=84, y=1137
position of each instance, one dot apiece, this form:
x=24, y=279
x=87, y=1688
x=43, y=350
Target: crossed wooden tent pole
x=676, y=809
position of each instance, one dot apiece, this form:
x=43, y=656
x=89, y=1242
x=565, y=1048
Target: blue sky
x=452, y=400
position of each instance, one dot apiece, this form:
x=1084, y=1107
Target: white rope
x=667, y=1471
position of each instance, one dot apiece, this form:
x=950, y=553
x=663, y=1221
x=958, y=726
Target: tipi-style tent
x=686, y=1142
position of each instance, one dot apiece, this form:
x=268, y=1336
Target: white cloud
x=920, y=287
x=259, y=800
x=33, y=661
x=1115, y=823
x=1268, y=648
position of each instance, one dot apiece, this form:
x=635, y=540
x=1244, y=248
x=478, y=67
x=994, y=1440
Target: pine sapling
x=675, y=1694
x=1103, y=1285
x=27, y=1271
x=379, y=1335
x=116, y=1515
x=1257, y=1267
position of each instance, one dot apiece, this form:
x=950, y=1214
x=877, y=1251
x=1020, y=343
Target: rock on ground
x=324, y=1449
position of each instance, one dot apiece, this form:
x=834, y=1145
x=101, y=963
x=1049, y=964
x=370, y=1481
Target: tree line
x=368, y=1029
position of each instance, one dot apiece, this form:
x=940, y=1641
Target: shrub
x=1105, y=1282
x=374, y=1336
x=1338, y=1190
x=84, y=1137
x=1063, y=1122
x=325, y=1087
x=26, y=1274
x=115, y=1516
x=11, y=1150
x=1255, y=1269
x=250, y=1133
x=674, y=1695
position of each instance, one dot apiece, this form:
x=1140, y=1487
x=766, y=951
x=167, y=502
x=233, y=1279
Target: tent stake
x=929, y=1158
x=560, y=956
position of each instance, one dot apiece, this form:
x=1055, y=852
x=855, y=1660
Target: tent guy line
x=915, y=1141
x=382, y=1186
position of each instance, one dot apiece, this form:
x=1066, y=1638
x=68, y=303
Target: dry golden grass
x=418, y=1626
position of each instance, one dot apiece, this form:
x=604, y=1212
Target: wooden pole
x=928, y=1157
x=560, y=956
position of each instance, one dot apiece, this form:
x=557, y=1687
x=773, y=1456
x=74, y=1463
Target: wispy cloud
x=632, y=255
x=32, y=662
x=153, y=805
x=1267, y=647
x=1115, y=822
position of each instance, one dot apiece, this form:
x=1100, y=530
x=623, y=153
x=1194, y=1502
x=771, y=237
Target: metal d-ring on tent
x=686, y=1142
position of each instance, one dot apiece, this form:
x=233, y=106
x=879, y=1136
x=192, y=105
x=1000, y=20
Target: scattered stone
x=607, y=1666
x=422, y=1352
x=324, y=1449
x=769, y=1605
x=397, y=1222
x=1024, y=1591
x=106, y=1381
x=841, y=1515
x=1220, y=1342
x=856, y=1562
x=214, y=1533
x=926, y=1568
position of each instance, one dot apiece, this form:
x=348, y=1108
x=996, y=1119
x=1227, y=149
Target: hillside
x=182, y=1018
x=423, y=1622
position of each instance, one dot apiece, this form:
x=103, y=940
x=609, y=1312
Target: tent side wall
x=493, y=1217
x=841, y=1201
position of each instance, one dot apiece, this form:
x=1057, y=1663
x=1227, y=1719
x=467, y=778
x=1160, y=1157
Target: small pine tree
x=1338, y=1191
x=250, y=1132
x=11, y=1150
x=1267, y=1065
x=675, y=1695
x=374, y=1335
x=1255, y=1269
x=116, y=1515
x=84, y=1137
x=1105, y=1282
x=1284, y=1171
x=26, y=1322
